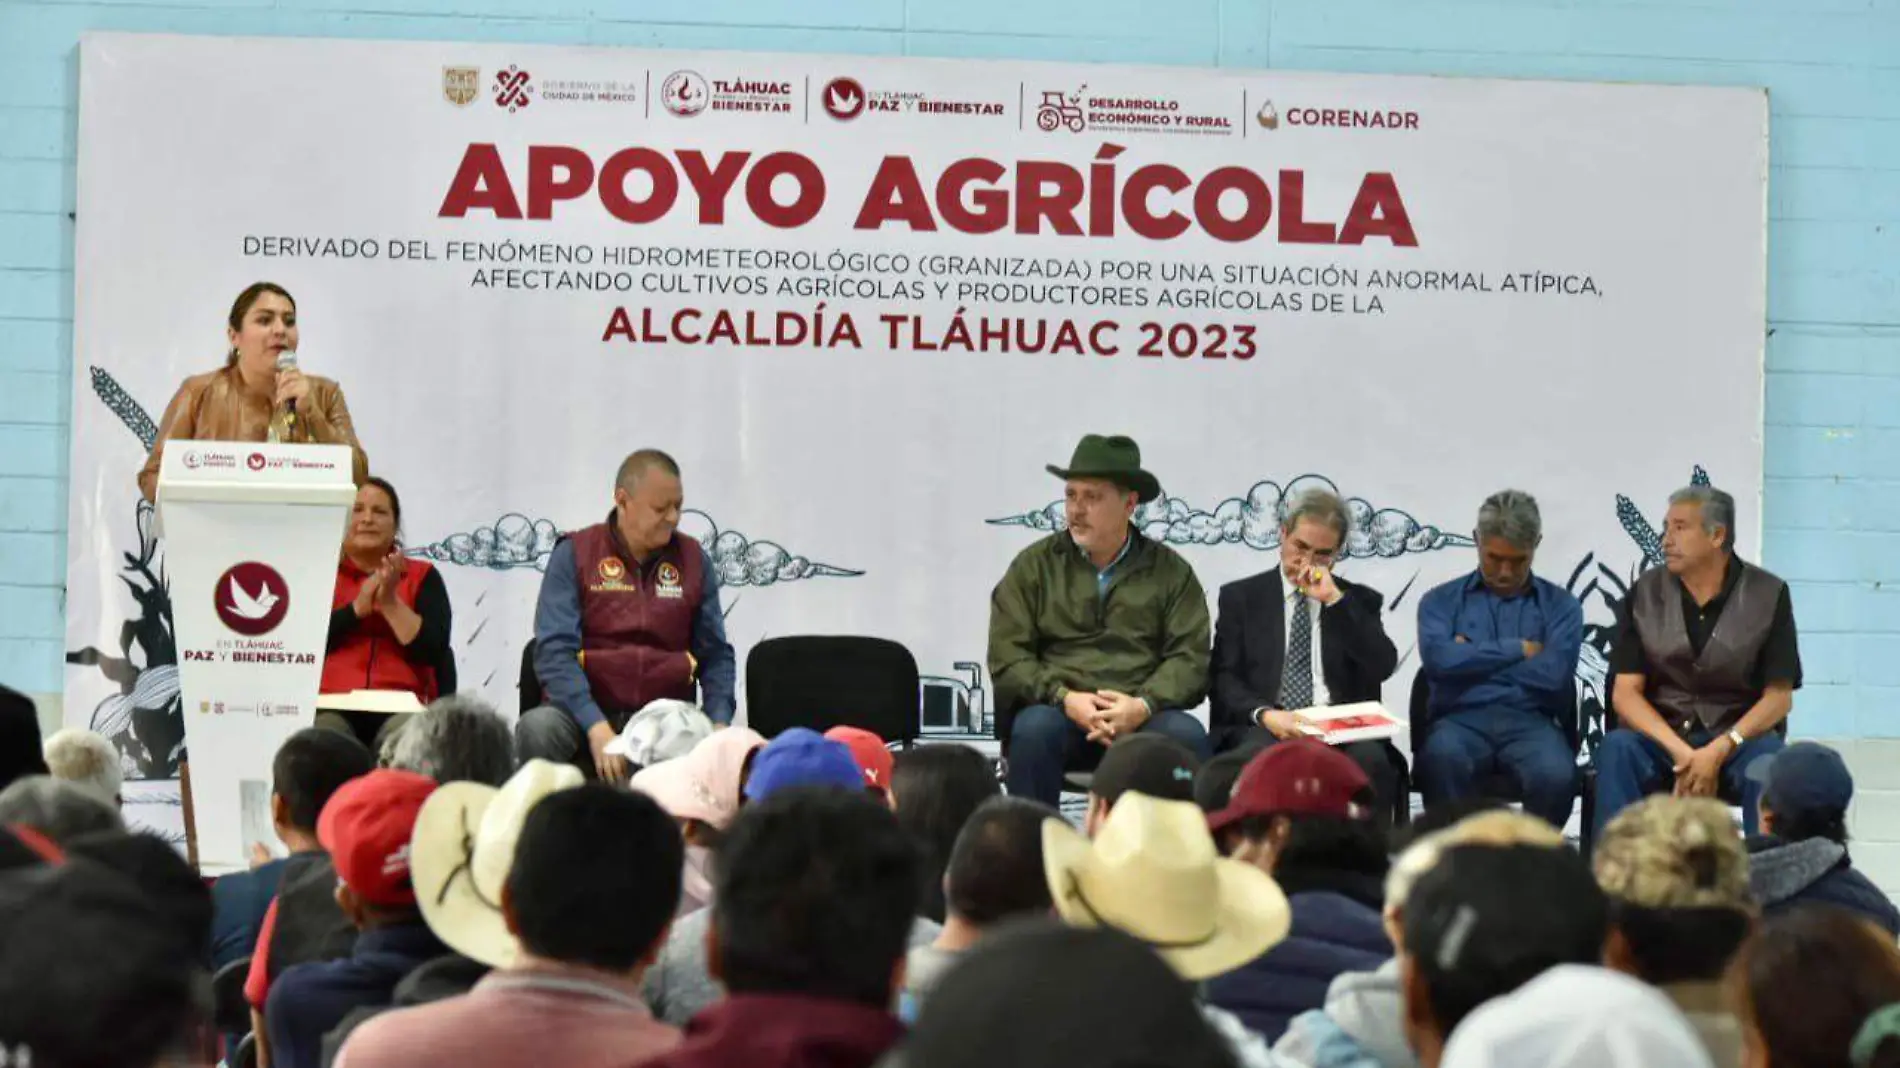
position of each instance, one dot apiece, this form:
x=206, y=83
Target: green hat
x=1117, y=459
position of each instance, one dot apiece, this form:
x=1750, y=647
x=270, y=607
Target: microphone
x=287, y=361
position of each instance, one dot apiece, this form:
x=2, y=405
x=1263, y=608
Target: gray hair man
x=456, y=739
x=1498, y=649
x=628, y=614
x=1299, y=637
x=85, y=758
x=1706, y=663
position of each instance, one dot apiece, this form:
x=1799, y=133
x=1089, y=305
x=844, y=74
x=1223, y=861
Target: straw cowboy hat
x=1152, y=871
x=463, y=846
x=1117, y=459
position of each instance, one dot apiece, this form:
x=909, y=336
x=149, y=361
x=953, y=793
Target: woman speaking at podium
x=259, y=395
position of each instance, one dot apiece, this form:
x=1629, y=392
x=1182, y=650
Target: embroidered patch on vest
x=670, y=588
x=613, y=574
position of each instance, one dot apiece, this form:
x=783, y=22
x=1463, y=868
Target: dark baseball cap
x=1805, y=777
x=1152, y=764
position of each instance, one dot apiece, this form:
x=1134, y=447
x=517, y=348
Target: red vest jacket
x=637, y=622
x=371, y=658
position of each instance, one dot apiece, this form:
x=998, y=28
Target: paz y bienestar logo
x=251, y=598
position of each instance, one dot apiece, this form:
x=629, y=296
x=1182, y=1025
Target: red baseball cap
x=366, y=826
x=1297, y=777
x=873, y=758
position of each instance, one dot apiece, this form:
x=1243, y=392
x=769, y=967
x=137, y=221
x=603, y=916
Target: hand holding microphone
x=291, y=386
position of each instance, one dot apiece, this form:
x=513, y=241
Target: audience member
x=682, y=983
x=159, y=873
x=1306, y=814
x=1152, y=764
x=307, y=769
x=1818, y=988
x=1363, y=1022
x=58, y=809
x=1801, y=855
x=21, y=753
x=24, y=847
x=664, y=730
x=1043, y=995
x=816, y=895
x=873, y=757
x=85, y=758
x=1577, y=1016
x=1214, y=783
x=995, y=874
x=458, y=738
x=702, y=791
x=1444, y=815
x=366, y=829
x=934, y=788
x=1677, y=879
x=576, y=919
x=1484, y=921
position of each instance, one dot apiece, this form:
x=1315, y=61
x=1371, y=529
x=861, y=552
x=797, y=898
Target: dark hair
x=937, y=787
x=1809, y=979
x=596, y=877
x=166, y=881
x=242, y=307
x=1801, y=824
x=1214, y=783
x=395, y=502
x=1488, y=919
x=310, y=766
x=1442, y=816
x=815, y=893
x=996, y=867
x=1680, y=945
x=21, y=751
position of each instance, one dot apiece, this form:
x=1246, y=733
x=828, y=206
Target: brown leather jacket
x=215, y=406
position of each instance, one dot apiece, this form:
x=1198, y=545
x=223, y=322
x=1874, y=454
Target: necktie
x=1296, y=685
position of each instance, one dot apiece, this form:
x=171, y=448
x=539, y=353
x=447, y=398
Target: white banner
x=864, y=301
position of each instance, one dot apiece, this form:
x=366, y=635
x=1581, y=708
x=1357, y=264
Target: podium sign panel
x=252, y=534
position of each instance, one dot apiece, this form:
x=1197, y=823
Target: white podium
x=252, y=536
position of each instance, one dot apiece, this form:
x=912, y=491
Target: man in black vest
x=1706, y=665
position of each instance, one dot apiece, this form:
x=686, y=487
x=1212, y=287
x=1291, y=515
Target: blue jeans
x=1630, y=767
x=1043, y=744
x=1463, y=749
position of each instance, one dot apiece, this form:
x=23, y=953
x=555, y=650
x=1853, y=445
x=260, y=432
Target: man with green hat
x=1096, y=632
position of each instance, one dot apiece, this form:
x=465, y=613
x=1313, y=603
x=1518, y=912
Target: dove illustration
x=843, y=101
x=245, y=606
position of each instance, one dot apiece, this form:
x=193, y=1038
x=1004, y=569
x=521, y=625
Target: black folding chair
x=1501, y=785
x=822, y=682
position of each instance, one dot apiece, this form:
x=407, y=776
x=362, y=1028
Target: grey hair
x=1323, y=505
x=1511, y=515
x=457, y=739
x=85, y=758
x=1718, y=510
x=639, y=463
x=60, y=810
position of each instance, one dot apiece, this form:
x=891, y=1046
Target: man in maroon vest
x=1706, y=665
x=628, y=614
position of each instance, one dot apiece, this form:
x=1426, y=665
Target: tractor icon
x=1057, y=111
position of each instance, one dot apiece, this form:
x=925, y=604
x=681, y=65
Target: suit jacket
x=1250, y=650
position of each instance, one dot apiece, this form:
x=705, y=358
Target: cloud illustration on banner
x=1254, y=521
x=515, y=541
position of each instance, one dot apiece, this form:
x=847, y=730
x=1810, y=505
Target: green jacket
x=1049, y=628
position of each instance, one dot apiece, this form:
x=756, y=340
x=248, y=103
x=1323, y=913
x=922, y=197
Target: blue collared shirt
x=1488, y=669
x=1103, y=576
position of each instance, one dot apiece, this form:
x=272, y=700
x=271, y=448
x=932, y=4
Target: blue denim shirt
x=1488, y=669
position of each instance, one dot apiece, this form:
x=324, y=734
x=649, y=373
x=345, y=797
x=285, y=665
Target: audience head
x=800, y=757
x=309, y=767
x=595, y=880
x=85, y=758
x=1806, y=791
x=366, y=828
x=1302, y=803
x=934, y=789
x=1508, y=532
x=996, y=870
x=1699, y=529
x=1041, y=994
x=1152, y=872
x=21, y=753
x=1484, y=921
x=1577, y=1016
x=873, y=757
x=457, y=739
x=1442, y=816
x=666, y=729
x=1498, y=826
x=1214, y=783
x=62, y=811
x=1676, y=875
x=647, y=500
x=170, y=884
x=1313, y=529
x=815, y=894
x=704, y=789
x=1152, y=764
x=1818, y=986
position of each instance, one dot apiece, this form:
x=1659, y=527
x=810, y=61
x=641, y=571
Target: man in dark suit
x=1333, y=629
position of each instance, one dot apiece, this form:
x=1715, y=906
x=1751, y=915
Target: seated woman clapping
x=389, y=628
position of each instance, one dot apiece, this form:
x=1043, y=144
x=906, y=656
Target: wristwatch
x=1735, y=735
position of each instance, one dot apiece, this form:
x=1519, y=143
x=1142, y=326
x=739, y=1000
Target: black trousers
x=1380, y=761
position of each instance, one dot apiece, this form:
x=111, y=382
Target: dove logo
x=255, y=461
x=844, y=99
x=251, y=599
